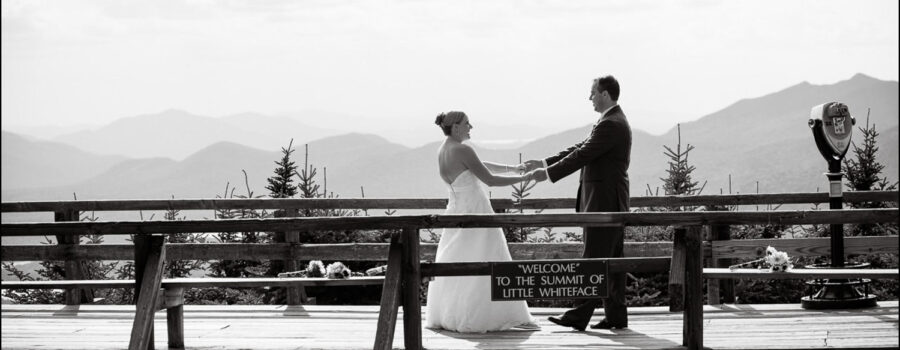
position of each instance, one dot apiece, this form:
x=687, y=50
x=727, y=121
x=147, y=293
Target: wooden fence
x=719, y=251
x=150, y=252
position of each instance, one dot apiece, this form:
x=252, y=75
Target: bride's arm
x=470, y=159
x=499, y=168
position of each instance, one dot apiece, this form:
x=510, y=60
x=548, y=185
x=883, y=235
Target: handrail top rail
x=462, y=221
x=426, y=203
x=180, y=282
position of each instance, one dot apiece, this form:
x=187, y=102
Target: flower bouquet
x=776, y=261
x=335, y=270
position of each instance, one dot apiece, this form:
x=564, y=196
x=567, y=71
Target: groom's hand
x=521, y=169
x=533, y=164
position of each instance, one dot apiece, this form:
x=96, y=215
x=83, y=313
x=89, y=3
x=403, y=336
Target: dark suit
x=603, y=159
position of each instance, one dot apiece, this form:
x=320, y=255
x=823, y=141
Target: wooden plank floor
x=770, y=326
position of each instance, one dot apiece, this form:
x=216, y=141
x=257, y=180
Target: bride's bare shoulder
x=456, y=148
x=462, y=146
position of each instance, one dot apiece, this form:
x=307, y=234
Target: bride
x=463, y=304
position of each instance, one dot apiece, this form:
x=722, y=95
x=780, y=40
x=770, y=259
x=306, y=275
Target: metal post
x=836, y=202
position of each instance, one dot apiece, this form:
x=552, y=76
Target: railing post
x=295, y=295
x=693, y=288
x=677, y=270
x=412, y=280
x=73, y=268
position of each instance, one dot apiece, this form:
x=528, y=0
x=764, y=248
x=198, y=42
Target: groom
x=603, y=187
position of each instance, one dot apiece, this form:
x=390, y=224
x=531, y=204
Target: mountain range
x=177, y=134
x=762, y=141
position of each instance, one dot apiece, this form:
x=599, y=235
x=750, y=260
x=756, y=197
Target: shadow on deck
x=741, y=326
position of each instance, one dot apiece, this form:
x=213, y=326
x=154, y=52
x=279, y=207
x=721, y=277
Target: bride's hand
x=521, y=168
x=537, y=175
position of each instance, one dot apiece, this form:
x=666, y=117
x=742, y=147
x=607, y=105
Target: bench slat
x=718, y=273
x=197, y=282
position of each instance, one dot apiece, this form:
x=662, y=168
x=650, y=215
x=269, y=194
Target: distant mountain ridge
x=763, y=139
x=176, y=134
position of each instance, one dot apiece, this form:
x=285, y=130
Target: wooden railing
x=69, y=250
x=409, y=254
x=430, y=203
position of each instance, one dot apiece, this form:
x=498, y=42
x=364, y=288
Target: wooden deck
x=781, y=326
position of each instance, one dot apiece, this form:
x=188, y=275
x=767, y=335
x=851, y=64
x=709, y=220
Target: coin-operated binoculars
x=832, y=127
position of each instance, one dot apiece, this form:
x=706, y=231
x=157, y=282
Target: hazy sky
x=396, y=62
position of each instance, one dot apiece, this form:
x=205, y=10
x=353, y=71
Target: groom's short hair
x=610, y=84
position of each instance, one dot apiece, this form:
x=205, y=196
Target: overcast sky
x=504, y=62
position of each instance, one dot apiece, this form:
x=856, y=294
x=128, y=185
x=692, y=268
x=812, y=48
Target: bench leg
x=390, y=297
x=676, y=271
x=175, y=317
x=149, y=258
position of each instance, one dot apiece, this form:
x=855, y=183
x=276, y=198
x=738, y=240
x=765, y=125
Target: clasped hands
x=534, y=170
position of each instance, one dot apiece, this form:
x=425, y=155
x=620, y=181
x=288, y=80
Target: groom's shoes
x=604, y=324
x=567, y=322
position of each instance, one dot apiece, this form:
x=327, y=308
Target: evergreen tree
x=679, y=181
x=864, y=174
x=307, y=185
x=280, y=184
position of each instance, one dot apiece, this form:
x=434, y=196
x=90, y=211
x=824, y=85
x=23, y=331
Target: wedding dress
x=463, y=304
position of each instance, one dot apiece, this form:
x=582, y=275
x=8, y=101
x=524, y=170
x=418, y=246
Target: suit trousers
x=604, y=242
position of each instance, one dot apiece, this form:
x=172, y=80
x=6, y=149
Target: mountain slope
x=30, y=163
x=775, y=126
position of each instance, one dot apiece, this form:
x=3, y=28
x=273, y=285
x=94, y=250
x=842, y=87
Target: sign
x=550, y=279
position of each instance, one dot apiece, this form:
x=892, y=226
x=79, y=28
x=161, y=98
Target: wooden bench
x=693, y=311
x=171, y=293
x=687, y=275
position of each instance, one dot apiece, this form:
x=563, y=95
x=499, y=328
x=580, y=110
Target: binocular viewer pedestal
x=838, y=293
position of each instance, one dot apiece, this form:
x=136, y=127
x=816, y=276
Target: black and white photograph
x=441, y=174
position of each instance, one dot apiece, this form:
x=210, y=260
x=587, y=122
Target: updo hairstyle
x=446, y=120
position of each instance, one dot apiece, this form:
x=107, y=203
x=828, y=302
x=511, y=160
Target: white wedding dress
x=463, y=304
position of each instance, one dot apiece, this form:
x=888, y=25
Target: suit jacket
x=603, y=159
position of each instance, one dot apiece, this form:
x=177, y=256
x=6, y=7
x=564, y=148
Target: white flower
x=777, y=261
x=315, y=269
x=337, y=270
x=780, y=258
